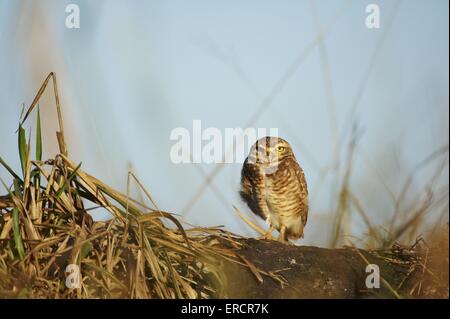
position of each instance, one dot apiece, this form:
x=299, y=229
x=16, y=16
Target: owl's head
x=270, y=151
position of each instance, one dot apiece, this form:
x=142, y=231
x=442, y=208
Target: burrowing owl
x=274, y=187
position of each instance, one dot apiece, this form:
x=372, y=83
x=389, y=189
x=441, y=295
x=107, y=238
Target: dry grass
x=44, y=227
x=143, y=252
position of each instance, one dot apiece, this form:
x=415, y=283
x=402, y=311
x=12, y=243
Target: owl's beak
x=261, y=155
x=264, y=156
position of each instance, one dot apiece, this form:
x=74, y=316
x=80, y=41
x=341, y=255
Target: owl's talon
x=266, y=237
x=286, y=242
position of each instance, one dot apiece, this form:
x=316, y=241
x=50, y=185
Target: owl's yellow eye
x=280, y=149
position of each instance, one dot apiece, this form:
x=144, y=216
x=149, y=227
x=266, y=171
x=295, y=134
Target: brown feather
x=275, y=187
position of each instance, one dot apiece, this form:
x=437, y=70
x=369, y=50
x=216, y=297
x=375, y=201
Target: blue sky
x=135, y=70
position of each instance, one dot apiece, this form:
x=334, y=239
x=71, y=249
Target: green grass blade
x=85, y=250
x=71, y=176
x=9, y=169
x=22, y=149
x=16, y=227
x=16, y=230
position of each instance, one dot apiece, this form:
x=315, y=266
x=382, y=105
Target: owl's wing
x=249, y=192
x=303, y=189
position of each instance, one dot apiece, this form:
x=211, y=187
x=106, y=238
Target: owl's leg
x=268, y=234
x=282, y=236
